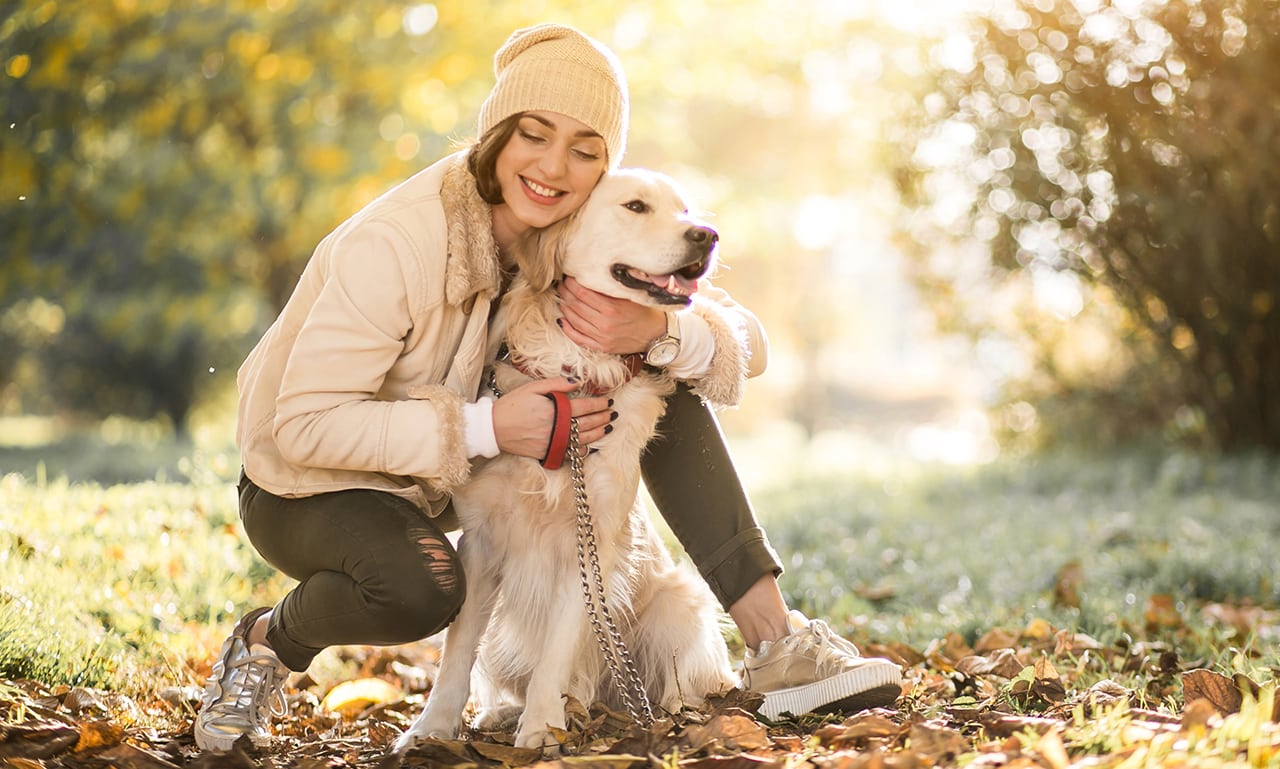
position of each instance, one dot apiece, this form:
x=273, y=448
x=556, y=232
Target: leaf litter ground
x=1035, y=698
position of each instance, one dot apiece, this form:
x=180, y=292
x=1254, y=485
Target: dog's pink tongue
x=676, y=284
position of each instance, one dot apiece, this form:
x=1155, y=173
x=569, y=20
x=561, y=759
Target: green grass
x=121, y=586
x=131, y=586
x=921, y=552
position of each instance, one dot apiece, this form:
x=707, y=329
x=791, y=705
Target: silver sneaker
x=813, y=669
x=245, y=689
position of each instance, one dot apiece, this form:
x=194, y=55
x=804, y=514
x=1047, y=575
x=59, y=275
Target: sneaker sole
x=222, y=743
x=872, y=686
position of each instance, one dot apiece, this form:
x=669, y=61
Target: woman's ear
x=540, y=254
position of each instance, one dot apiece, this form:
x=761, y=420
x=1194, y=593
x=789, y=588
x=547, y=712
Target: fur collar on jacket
x=473, y=265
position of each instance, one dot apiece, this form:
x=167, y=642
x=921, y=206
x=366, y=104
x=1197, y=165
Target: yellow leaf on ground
x=351, y=697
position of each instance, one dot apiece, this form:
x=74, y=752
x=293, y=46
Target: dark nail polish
x=572, y=379
x=613, y=415
x=610, y=403
x=560, y=322
x=608, y=429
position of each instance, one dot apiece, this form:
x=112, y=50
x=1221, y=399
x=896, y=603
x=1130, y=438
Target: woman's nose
x=554, y=162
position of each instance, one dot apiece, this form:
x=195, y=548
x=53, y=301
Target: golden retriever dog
x=524, y=635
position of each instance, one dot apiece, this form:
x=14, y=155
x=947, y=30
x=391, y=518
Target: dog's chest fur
x=512, y=502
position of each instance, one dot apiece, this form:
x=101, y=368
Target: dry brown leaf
x=611, y=761
x=1161, y=613
x=126, y=756
x=98, y=734
x=1050, y=747
x=937, y=741
x=36, y=740
x=1069, y=644
x=1006, y=664
x=739, y=732
x=858, y=730
x=1219, y=690
x=1197, y=714
x=80, y=699
x=944, y=654
x=506, y=754
x=1007, y=724
x=995, y=638
x=740, y=761
x=1067, y=583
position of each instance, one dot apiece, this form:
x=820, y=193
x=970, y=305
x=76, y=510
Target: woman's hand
x=523, y=418
x=607, y=324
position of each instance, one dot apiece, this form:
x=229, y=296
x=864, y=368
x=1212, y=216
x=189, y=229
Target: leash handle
x=558, y=444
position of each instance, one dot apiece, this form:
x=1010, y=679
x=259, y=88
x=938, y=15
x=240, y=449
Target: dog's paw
x=427, y=729
x=539, y=739
x=498, y=718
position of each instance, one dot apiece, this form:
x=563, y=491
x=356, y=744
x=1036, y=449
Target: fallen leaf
x=1066, y=585
x=1038, y=630
x=739, y=732
x=1161, y=613
x=129, y=756
x=1050, y=747
x=98, y=734
x=995, y=638
x=1219, y=690
x=937, y=741
x=505, y=754
x=36, y=741
x=351, y=697
x=740, y=761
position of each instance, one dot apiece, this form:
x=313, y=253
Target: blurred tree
x=169, y=166
x=1116, y=162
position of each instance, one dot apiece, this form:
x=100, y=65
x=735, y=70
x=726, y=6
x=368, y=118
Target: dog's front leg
x=561, y=647
x=442, y=716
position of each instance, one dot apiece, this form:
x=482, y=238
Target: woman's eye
x=587, y=155
x=531, y=137
x=637, y=206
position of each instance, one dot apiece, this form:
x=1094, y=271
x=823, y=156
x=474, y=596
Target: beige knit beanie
x=556, y=68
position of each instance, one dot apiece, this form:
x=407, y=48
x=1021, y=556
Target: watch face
x=662, y=353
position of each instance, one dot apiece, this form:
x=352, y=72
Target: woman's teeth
x=546, y=192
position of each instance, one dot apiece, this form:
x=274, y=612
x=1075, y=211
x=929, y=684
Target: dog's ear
x=540, y=254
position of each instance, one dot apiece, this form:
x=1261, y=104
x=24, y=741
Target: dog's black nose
x=702, y=236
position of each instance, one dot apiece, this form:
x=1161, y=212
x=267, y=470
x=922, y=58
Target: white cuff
x=477, y=426
x=697, y=348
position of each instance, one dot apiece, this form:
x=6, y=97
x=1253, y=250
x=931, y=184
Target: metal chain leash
x=615, y=651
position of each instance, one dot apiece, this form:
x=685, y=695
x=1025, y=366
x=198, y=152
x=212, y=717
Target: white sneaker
x=813, y=669
x=245, y=689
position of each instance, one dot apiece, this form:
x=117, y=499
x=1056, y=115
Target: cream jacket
x=360, y=381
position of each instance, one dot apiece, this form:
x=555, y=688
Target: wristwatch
x=665, y=348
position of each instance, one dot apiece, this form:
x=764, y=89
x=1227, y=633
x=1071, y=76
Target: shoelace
x=256, y=688
x=819, y=634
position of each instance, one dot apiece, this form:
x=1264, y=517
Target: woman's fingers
x=524, y=418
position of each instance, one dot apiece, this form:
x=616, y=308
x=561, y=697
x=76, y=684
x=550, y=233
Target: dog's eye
x=637, y=206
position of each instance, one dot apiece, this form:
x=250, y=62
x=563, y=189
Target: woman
x=359, y=408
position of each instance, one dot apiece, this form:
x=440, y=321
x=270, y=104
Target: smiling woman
x=361, y=412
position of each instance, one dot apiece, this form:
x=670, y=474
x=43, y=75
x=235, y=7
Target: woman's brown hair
x=482, y=160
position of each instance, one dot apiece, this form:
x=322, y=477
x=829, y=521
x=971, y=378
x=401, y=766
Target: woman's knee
x=422, y=590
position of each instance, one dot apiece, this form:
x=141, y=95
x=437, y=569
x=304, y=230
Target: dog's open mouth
x=674, y=288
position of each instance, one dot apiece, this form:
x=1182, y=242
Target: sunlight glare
x=421, y=19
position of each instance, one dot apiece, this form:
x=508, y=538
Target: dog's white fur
x=524, y=619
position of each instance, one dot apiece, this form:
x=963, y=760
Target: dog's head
x=633, y=239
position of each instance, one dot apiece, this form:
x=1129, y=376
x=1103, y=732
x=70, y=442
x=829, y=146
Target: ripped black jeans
x=372, y=569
